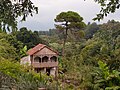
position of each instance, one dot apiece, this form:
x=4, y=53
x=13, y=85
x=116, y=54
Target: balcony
x=44, y=64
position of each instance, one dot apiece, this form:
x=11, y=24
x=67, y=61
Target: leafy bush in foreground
x=13, y=75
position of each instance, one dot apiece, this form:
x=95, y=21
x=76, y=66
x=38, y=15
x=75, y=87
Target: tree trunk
x=63, y=50
x=64, y=42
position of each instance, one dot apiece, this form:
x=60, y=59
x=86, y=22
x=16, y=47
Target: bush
x=21, y=78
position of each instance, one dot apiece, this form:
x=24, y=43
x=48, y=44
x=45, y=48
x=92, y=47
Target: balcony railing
x=44, y=64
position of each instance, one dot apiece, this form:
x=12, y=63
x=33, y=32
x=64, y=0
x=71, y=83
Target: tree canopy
x=68, y=21
x=107, y=6
x=7, y=51
x=90, y=64
x=10, y=10
x=28, y=38
x=90, y=30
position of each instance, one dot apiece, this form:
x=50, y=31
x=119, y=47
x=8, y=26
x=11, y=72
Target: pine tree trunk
x=64, y=42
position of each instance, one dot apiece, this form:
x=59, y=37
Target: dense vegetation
x=91, y=52
x=10, y=10
x=12, y=74
x=91, y=60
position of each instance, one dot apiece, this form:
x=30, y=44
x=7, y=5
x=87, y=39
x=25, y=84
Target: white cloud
x=48, y=9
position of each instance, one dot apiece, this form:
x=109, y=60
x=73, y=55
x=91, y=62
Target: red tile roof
x=38, y=48
x=35, y=49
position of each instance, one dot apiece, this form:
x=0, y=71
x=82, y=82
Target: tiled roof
x=35, y=49
x=38, y=48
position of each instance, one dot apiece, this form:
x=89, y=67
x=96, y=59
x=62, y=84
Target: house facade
x=42, y=59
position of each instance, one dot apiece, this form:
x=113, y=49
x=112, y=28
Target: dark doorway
x=48, y=71
x=38, y=70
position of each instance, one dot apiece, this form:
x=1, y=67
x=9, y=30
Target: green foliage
x=12, y=9
x=23, y=51
x=104, y=46
x=11, y=43
x=28, y=38
x=6, y=50
x=68, y=21
x=106, y=79
x=69, y=16
x=80, y=68
x=19, y=76
x=10, y=68
x=90, y=30
x=57, y=47
x=90, y=53
x=107, y=6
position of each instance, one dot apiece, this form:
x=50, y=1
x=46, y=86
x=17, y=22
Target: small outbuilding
x=42, y=59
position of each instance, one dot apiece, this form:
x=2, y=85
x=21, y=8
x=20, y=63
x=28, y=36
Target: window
x=53, y=59
x=37, y=59
x=45, y=59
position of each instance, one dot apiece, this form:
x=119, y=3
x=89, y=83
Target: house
x=42, y=59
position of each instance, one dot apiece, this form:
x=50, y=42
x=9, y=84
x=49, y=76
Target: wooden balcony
x=44, y=64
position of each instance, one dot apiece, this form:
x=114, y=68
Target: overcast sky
x=48, y=9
